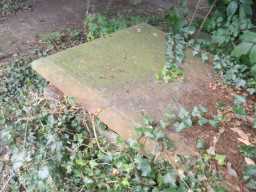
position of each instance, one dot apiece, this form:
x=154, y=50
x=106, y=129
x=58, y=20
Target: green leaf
x=241, y=49
x=239, y=110
x=249, y=176
x=2, y=119
x=43, y=172
x=220, y=189
x=216, y=121
x=238, y=99
x=170, y=178
x=232, y=8
x=148, y=120
x=249, y=171
x=50, y=121
x=253, y=71
x=248, y=151
x=220, y=159
x=87, y=180
x=253, y=55
x=204, y=57
x=201, y=144
x=183, y=113
x=248, y=36
x=180, y=126
x=125, y=182
x=251, y=184
x=143, y=165
x=202, y=121
x=19, y=158
x=196, y=112
x=220, y=36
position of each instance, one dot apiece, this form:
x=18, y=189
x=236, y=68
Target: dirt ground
x=18, y=31
x=231, y=134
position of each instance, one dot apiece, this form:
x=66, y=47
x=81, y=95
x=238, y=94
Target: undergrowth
x=97, y=26
x=53, y=147
x=10, y=6
x=231, y=39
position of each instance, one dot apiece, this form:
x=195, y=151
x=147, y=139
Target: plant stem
x=195, y=12
x=95, y=134
x=207, y=15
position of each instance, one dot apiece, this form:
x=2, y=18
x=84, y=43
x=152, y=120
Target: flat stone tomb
x=114, y=78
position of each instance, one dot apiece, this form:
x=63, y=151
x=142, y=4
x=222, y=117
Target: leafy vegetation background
x=10, y=6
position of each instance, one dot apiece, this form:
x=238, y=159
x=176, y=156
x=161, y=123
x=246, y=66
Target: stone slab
x=114, y=78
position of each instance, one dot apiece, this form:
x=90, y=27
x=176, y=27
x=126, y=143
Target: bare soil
x=231, y=134
x=18, y=32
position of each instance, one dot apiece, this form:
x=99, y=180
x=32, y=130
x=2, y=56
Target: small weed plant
x=97, y=26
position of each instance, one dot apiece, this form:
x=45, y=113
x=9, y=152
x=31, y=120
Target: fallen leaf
x=243, y=137
x=246, y=142
x=232, y=172
x=249, y=161
x=211, y=150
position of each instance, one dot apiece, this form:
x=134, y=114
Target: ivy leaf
x=216, y=121
x=144, y=131
x=158, y=134
x=253, y=70
x=201, y=144
x=249, y=176
x=170, y=178
x=50, y=121
x=202, y=121
x=248, y=151
x=204, y=57
x=188, y=122
x=87, y=181
x=232, y=8
x=183, y=113
x=2, y=119
x=249, y=171
x=143, y=165
x=238, y=100
x=239, y=111
x=196, y=112
x=43, y=172
x=251, y=184
x=241, y=49
x=248, y=36
x=253, y=54
x=148, y=121
x=19, y=158
x=220, y=159
x=180, y=126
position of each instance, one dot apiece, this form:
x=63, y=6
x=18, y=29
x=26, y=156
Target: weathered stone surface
x=114, y=78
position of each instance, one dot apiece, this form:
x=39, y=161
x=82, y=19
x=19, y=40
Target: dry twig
x=207, y=15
